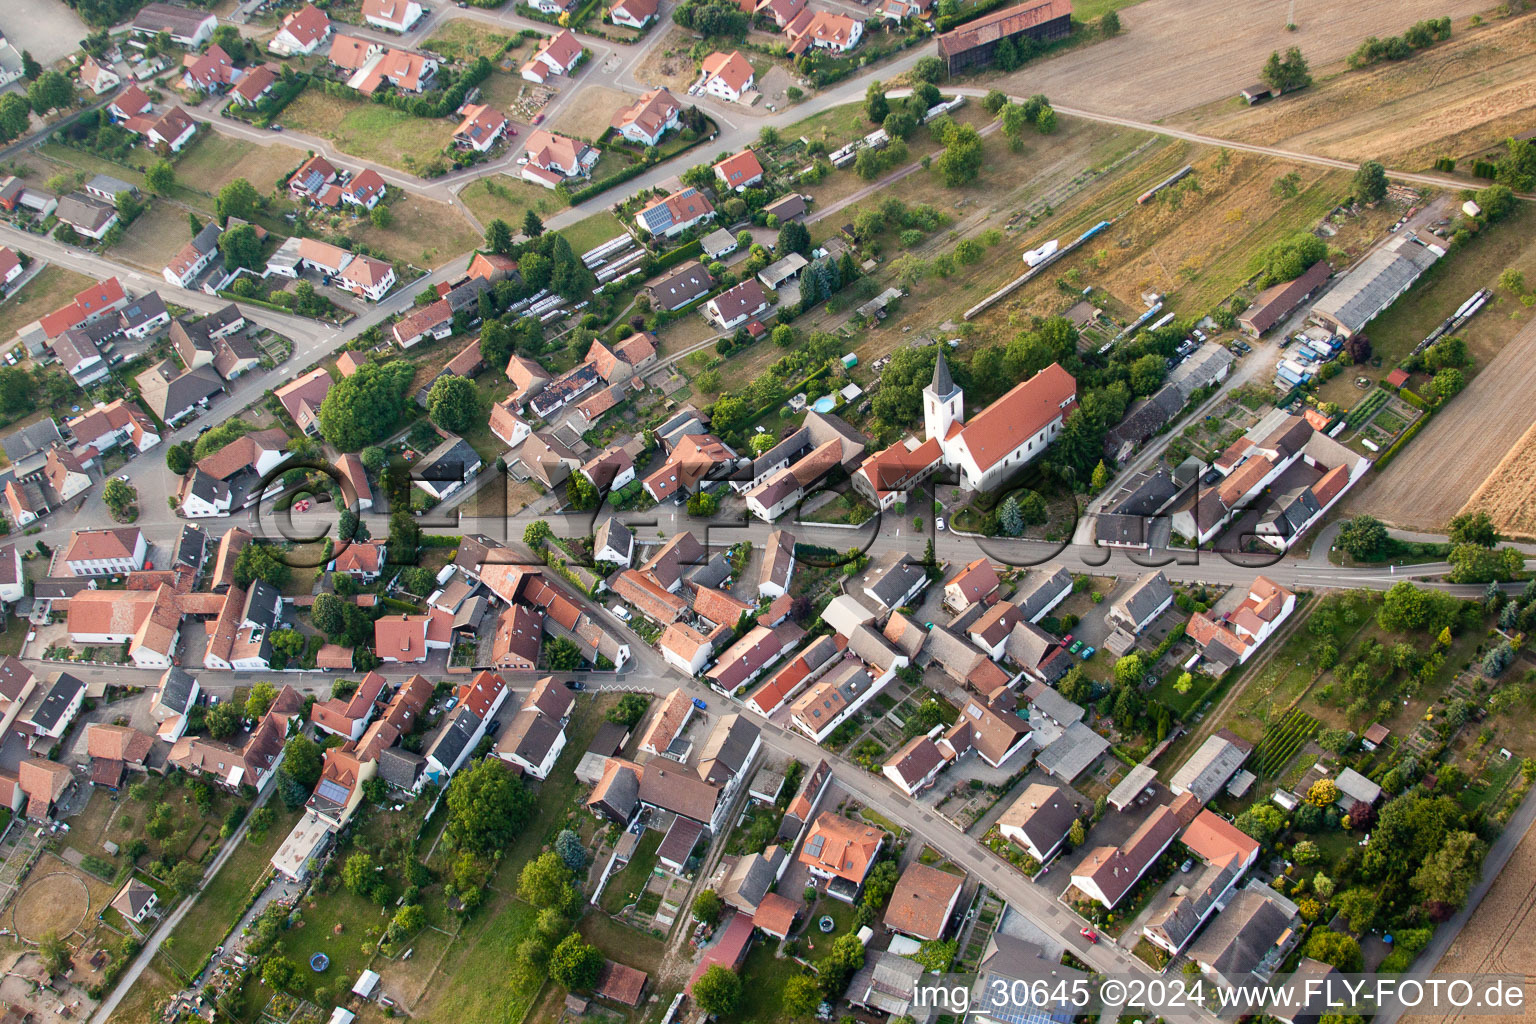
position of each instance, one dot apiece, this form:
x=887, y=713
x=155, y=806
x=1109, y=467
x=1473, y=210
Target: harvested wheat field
x=1455, y=99
x=1509, y=493
x=1496, y=940
x=1177, y=54
x=1462, y=447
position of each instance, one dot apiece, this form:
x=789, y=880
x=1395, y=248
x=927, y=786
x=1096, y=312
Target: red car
x=538, y=118
x=1090, y=935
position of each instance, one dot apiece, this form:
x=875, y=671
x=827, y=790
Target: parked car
x=1089, y=652
x=938, y=524
x=1067, y=639
x=1090, y=935
x=575, y=684
x=700, y=704
x=1077, y=645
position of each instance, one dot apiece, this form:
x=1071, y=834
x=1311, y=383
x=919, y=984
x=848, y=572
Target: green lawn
x=224, y=899
x=371, y=131
x=594, y=231
x=477, y=987
x=626, y=884
x=351, y=949
x=763, y=977
x=507, y=198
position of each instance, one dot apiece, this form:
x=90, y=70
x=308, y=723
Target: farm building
x=1275, y=303
x=973, y=43
x=1365, y=292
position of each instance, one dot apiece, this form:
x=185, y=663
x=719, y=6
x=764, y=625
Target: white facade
x=111, y=566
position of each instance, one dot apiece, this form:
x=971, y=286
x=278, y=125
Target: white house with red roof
x=739, y=172
x=10, y=265
x=213, y=71
x=557, y=55
x=649, y=118
x=301, y=32
x=481, y=128
x=633, y=13
x=551, y=159
x=1005, y=436
x=824, y=30
x=727, y=76
x=131, y=102
x=395, y=15
x=96, y=77
x=365, y=190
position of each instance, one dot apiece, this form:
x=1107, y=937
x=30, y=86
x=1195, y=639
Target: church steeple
x=943, y=383
x=943, y=402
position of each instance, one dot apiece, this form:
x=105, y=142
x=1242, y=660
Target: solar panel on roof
x=332, y=791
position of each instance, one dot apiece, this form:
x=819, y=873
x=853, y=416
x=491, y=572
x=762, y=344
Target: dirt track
x=1451, y=457
x=1176, y=54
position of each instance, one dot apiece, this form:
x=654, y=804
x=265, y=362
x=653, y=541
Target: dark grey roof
x=262, y=601
x=1242, y=935
x=943, y=384
x=614, y=534
x=191, y=547
x=785, y=207
x=1292, y=511
x=1072, y=752
x=726, y=751
x=30, y=441
x=56, y=587
x=1178, y=918
x=1144, y=597
x=1144, y=421
x=51, y=711
x=176, y=690
x=1372, y=286
x=609, y=739
x=465, y=297
x=1040, y=589
x=1145, y=495
x=207, y=487
x=109, y=185
x=895, y=580
x=454, y=737
x=711, y=574
x=207, y=240
x=681, y=287
x=142, y=310
x=400, y=767
x=452, y=460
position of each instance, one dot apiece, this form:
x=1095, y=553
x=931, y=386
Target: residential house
x=841, y=851
x=1138, y=607
x=87, y=216
x=634, y=14
x=535, y=737
x=212, y=72
x=552, y=159
x=365, y=191
x=672, y=215
x=680, y=287
x=395, y=15
x=302, y=396
x=347, y=717
x=697, y=461
x=649, y=118
x=915, y=766
x=62, y=702
x=823, y=29
x=1039, y=820
x=735, y=306
x=434, y=320
x=480, y=129
x=739, y=172
x=557, y=55
x=97, y=78
x=193, y=258
x=923, y=902
x=446, y=468
x=173, y=130
x=301, y=32
x=105, y=552
x=727, y=76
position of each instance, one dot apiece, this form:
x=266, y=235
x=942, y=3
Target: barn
x=973, y=43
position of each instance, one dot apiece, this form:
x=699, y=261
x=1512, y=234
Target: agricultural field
x=588, y=113
x=370, y=131
x=1463, y=450
x=1509, y=493
x=51, y=288
x=1177, y=54
x=1453, y=100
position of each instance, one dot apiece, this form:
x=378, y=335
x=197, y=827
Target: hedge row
x=581, y=195
x=671, y=259
x=1396, y=446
